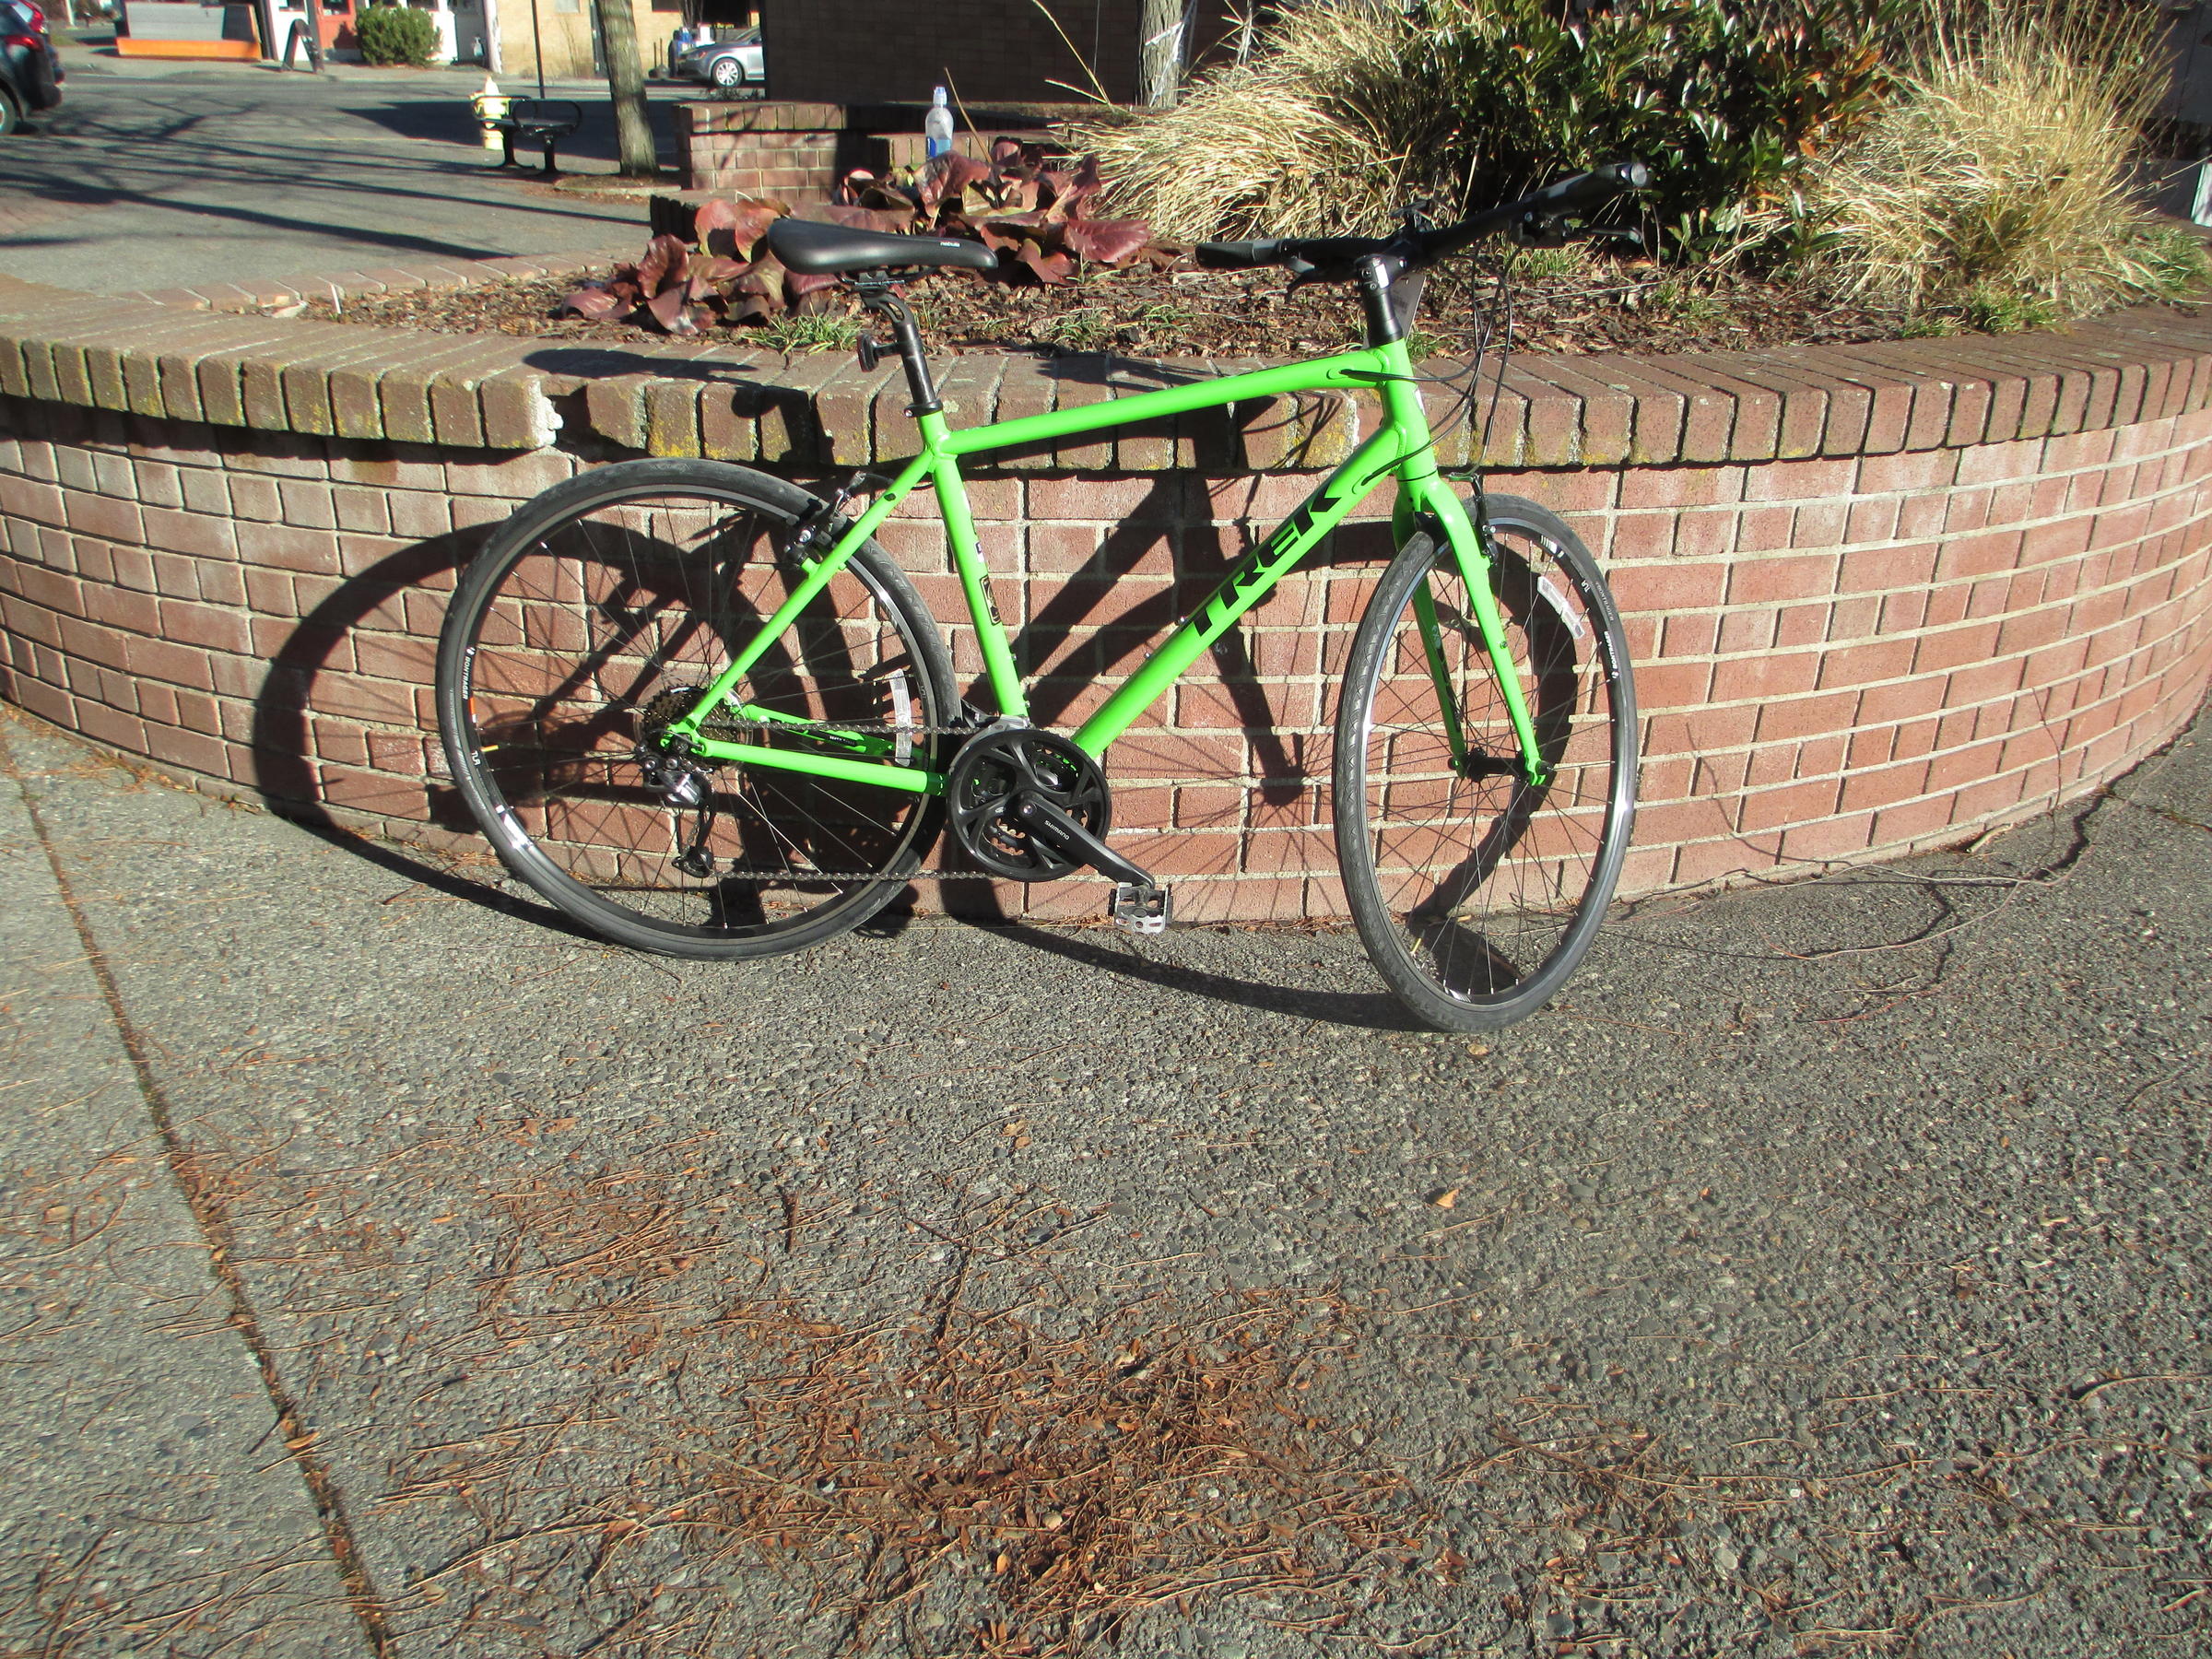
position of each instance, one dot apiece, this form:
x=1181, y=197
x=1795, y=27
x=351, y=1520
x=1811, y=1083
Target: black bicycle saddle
x=816, y=249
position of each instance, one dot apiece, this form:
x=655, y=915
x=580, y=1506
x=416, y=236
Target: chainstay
x=785, y=728
x=834, y=728
x=801, y=875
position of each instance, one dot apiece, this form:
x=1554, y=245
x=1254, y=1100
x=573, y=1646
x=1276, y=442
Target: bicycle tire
x=579, y=625
x=1475, y=893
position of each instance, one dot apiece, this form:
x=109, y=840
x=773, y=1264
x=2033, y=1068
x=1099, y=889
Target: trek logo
x=1250, y=576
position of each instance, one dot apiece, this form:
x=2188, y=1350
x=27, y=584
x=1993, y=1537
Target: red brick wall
x=1879, y=598
x=799, y=152
x=1837, y=657
x=791, y=150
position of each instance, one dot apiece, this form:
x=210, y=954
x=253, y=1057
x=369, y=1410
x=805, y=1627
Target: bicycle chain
x=843, y=728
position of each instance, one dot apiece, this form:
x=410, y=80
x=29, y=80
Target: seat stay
x=818, y=575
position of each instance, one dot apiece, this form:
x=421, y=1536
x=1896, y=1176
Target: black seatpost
x=875, y=294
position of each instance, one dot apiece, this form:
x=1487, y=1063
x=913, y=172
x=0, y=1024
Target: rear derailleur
x=1029, y=805
x=671, y=771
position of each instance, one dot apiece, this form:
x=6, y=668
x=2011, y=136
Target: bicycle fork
x=1425, y=494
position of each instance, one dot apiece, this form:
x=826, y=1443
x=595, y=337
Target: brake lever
x=1555, y=231
x=1542, y=230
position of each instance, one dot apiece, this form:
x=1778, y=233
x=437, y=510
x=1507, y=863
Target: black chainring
x=994, y=773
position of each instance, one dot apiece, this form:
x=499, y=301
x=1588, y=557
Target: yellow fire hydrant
x=490, y=104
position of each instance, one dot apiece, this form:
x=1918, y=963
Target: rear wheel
x=589, y=624
x=11, y=117
x=1475, y=891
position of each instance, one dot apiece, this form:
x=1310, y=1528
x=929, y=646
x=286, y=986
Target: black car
x=30, y=74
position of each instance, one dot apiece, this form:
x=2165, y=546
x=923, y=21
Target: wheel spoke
x=593, y=621
x=1474, y=891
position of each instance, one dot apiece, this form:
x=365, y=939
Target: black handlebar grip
x=1601, y=184
x=1239, y=255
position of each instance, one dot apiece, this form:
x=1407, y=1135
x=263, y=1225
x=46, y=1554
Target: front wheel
x=727, y=72
x=592, y=621
x=1474, y=889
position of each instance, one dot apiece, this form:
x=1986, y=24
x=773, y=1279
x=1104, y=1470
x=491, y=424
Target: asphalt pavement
x=159, y=173
x=1824, y=1272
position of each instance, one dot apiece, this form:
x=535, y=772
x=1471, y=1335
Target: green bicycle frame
x=1400, y=448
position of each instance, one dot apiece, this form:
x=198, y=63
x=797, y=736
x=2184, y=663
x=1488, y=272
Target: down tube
x=1248, y=580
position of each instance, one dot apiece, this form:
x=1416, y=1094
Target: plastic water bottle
x=936, y=126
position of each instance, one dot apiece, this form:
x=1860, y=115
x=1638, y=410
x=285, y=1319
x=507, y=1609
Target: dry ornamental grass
x=2001, y=171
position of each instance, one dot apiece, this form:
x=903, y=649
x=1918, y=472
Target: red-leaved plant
x=1033, y=216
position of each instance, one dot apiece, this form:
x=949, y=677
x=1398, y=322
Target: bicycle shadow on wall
x=1076, y=635
x=342, y=725
x=1201, y=551
x=753, y=401
x=311, y=681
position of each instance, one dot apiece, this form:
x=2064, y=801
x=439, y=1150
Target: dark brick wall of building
x=1006, y=51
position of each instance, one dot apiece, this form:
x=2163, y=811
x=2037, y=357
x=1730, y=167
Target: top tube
x=1368, y=367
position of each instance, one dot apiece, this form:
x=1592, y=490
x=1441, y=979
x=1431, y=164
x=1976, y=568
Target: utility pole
x=1159, y=53
x=626, y=88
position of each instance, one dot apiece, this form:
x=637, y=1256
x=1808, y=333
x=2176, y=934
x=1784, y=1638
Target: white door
x=472, y=33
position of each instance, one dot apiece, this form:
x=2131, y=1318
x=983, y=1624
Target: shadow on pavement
x=1366, y=1011
x=452, y=121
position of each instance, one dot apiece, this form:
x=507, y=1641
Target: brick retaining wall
x=800, y=152
x=1879, y=598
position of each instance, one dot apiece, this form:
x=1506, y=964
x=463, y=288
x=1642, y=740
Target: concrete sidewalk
x=152, y=1494
x=1825, y=1269
x=91, y=51
x=165, y=174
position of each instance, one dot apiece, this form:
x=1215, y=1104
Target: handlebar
x=1337, y=254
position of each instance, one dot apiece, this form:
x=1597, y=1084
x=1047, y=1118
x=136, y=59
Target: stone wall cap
x=1697, y=408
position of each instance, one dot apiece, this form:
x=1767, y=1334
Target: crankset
x=1000, y=791
x=1029, y=805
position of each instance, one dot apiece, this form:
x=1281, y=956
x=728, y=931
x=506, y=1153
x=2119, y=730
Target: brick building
x=563, y=27
x=854, y=52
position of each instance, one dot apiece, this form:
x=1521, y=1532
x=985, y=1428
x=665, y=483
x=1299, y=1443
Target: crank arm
x=1070, y=840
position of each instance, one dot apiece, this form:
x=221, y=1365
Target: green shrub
x=1998, y=181
x=1349, y=111
x=396, y=34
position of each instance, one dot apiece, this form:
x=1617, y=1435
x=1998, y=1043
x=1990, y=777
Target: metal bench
x=540, y=121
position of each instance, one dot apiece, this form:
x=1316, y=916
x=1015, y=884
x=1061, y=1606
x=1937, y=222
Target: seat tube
x=967, y=564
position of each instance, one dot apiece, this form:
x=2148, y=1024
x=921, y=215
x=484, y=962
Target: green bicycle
x=700, y=711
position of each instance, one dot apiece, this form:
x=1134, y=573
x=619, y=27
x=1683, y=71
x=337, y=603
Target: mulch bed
x=1605, y=307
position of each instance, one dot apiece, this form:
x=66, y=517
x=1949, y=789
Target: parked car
x=732, y=60
x=30, y=72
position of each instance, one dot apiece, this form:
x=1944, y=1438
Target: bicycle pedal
x=1138, y=908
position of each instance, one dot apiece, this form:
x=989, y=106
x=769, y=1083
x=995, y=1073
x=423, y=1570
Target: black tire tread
x=1362, y=890
x=601, y=487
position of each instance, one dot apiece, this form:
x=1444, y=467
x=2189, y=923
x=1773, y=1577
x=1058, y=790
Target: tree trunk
x=1159, y=53
x=626, y=88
